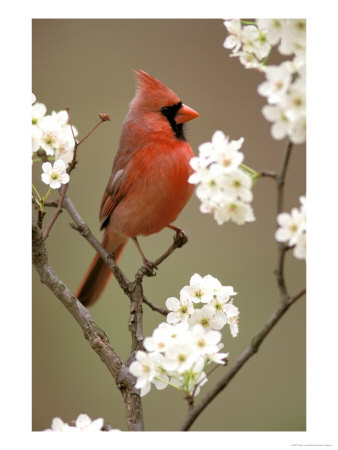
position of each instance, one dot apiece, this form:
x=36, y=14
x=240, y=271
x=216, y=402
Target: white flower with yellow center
x=54, y=175
x=180, y=310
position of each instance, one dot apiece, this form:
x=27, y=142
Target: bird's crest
x=151, y=90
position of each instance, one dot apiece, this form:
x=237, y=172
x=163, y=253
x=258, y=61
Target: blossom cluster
x=52, y=133
x=180, y=348
x=285, y=84
x=292, y=229
x=224, y=188
x=82, y=423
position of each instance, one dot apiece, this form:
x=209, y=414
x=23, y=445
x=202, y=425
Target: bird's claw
x=180, y=238
x=149, y=268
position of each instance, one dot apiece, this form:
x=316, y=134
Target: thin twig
x=256, y=342
x=180, y=238
x=154, y=307
x=103, y=118
x=268, y=174
x=281, y=178
x=57, y=212
x=73, y=162
x=282, y=248
x=42, y=155
x=52, y=204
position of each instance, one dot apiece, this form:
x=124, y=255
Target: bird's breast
x=158, y=189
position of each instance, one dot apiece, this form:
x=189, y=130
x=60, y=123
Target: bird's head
x=160, y=104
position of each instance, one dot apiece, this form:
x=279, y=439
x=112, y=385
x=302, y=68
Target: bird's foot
x=180, y=238
x=149, y=267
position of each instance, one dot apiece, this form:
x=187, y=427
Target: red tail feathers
x=96, y=278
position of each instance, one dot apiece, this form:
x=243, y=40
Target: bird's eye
x=165, y=110
x=170, y=111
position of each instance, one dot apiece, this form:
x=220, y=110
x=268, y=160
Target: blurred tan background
x=86, y=64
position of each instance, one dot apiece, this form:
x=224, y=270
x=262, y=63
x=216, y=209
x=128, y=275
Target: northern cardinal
x=148, y=186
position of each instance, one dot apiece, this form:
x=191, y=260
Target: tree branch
x=57, y=212
x=154, y=307
x=84, y=230
x=256, y=342
x=281, y=178
x=96, y=337
x=282, y=248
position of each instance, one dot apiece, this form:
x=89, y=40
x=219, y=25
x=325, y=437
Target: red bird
x=148, y=186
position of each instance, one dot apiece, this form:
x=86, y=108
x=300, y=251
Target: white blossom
x=211, y=185
x=233, y=40
x=59, y=425
x=199, y=290
x=232, y=313
x=237, y=185
x=298, y=131
x=208, y=150
x=38, y=112
x=249, y=61
x=295, y=101
x=180, y=357
x=54, y=175
x=218, y=357
x=273, y=27
x=284, y=85
x=204, y=340
x=235, y=210
x=179, y=309
x=222, y=151
x=82, y=423
x=278, y=79
x=293, y=37
x=223, y=187
x=197, y=377
x=292, y=229
x=281, y=124
x=36, y=138
x=145, y=368
x=291, y=226
x=255, y=41
x=166, y=335
x=52, y=133
x=207, y=318
x=178, y=350
x=300, y=248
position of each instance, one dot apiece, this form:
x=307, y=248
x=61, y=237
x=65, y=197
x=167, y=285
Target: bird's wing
x=120, y=179
x=114, y=192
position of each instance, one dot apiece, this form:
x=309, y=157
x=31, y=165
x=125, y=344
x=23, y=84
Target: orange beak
x=184, y=114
